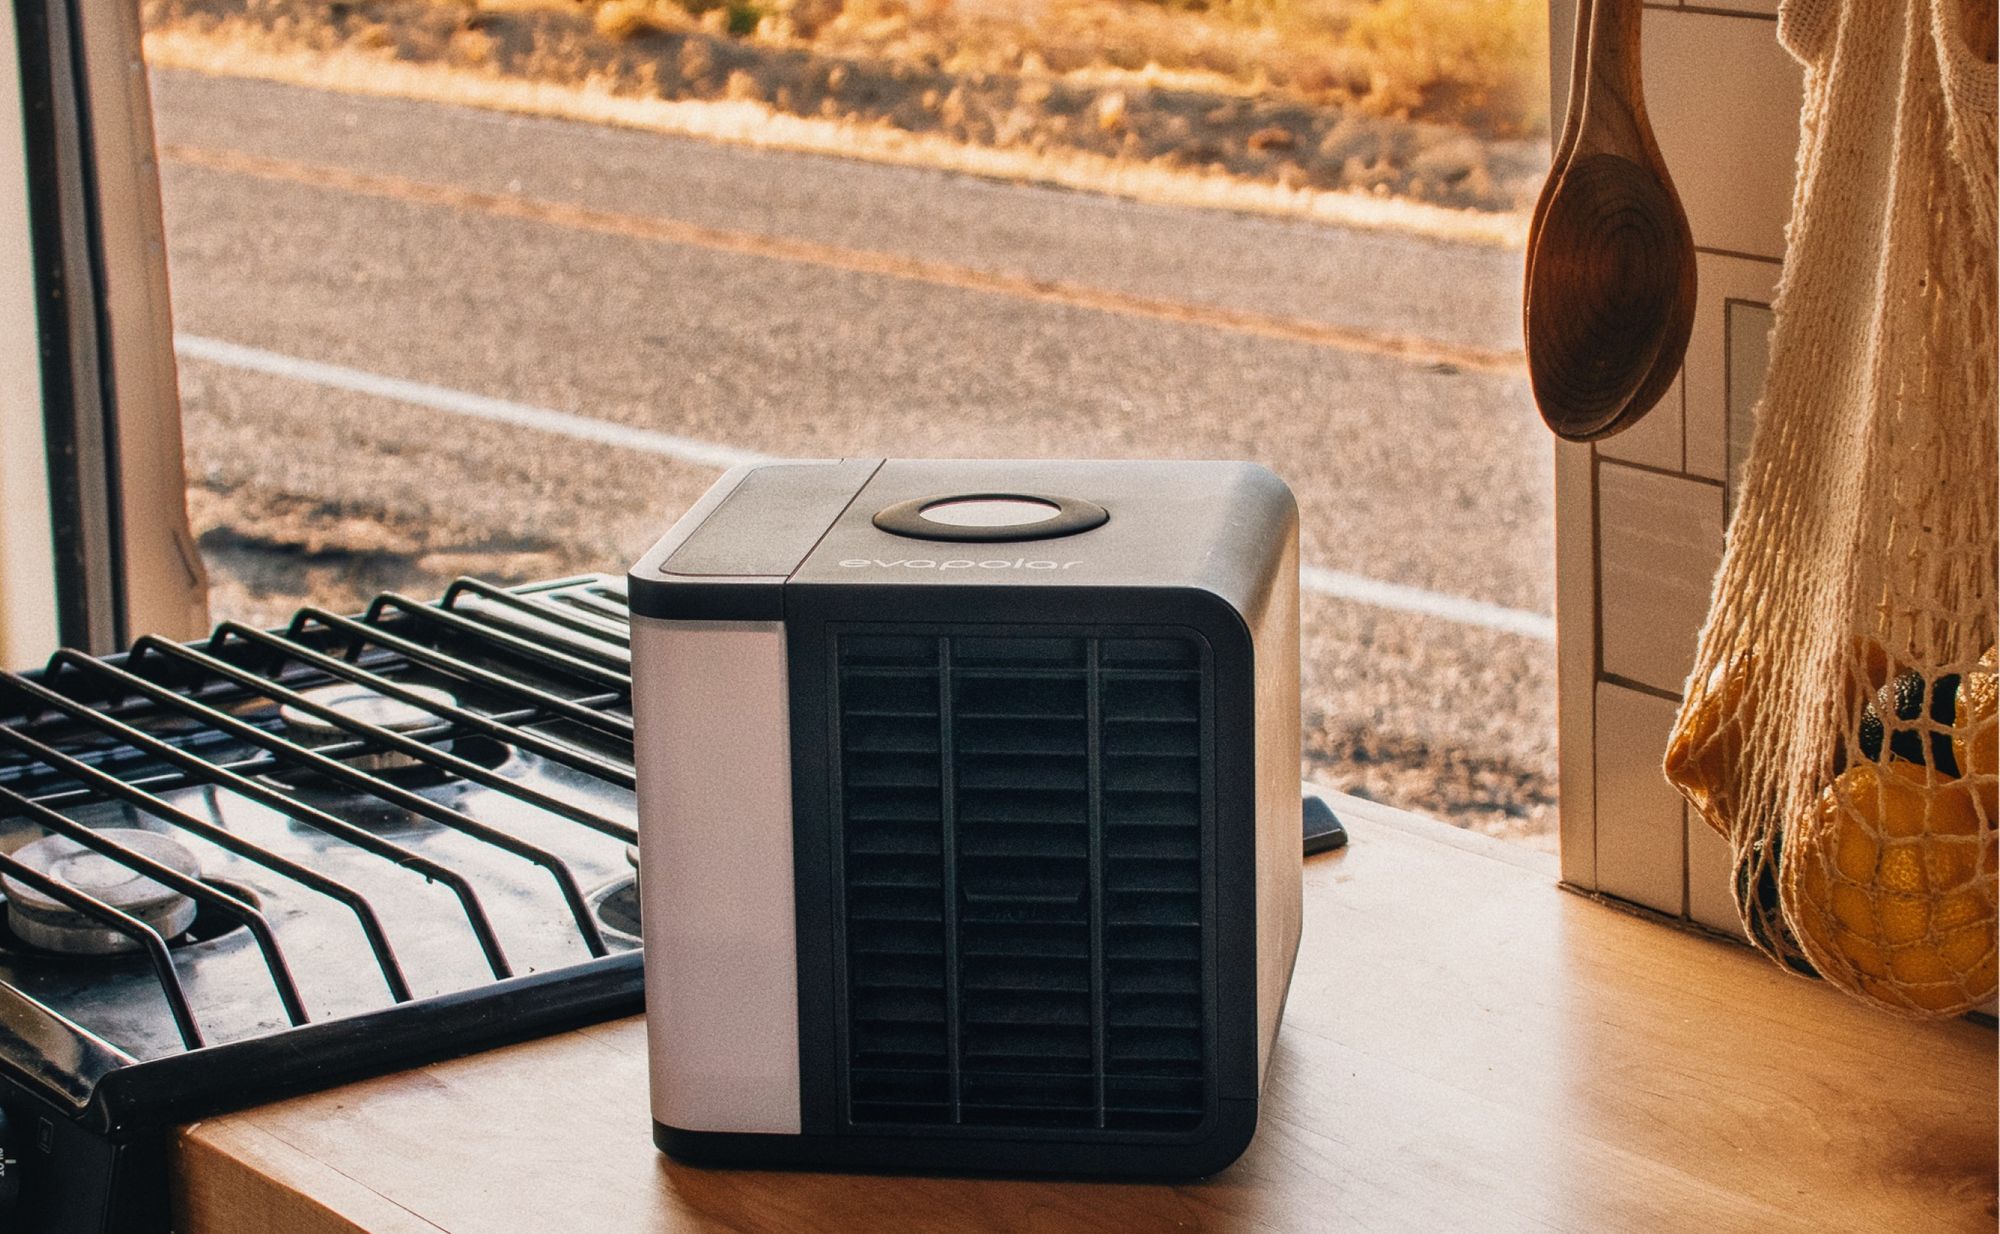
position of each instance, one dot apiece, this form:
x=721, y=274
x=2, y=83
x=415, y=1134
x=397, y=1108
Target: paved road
x=793, y=304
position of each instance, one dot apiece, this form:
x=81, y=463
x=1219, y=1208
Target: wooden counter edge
x=230, y=1167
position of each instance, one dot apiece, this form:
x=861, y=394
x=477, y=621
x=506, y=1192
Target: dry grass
x=1326, y=101
x=1477, y=64
x=236, y=50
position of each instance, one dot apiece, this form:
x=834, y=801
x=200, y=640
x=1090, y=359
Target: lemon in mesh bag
x=1837, y=726
x=1705, y=757
x=1889, y=888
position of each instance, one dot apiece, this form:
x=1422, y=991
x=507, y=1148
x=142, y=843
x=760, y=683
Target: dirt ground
x=1331, y=138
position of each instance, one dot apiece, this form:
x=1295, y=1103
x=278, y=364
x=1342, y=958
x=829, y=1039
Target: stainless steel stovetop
x=273, y=861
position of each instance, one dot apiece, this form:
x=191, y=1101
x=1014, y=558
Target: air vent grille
x=1021, y=830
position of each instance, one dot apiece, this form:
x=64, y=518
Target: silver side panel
x=711, y=705
x=1280, y=864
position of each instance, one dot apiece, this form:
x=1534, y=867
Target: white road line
x=1337, y=584
x=463, y=403
x=1460, y=609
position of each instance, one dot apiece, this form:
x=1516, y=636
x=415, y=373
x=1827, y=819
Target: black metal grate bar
x=112, y=786
x=377, y=736
x=366, y=737
x=590, y=602
x=578, y=710
x=405, y=744
x=581, y=622
x=300, y=756
x=201, y=893
x=203, y=770
x=131, y=927
x=600, y=668
x=604, y=769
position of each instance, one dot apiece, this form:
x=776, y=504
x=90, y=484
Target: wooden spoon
x=1610, y=293
x=1579, y=74
x=1579, y=70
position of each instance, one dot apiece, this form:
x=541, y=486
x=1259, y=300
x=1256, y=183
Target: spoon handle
x=1614, y=113
x=1579, y=81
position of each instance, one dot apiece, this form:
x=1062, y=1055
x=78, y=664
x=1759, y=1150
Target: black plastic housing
x=1200, y=552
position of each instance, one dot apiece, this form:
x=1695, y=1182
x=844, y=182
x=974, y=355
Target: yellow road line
x=1405, y=347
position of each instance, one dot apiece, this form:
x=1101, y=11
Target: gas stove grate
x=540, y=672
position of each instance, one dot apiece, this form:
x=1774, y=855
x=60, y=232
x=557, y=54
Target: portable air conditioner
x=969, y=814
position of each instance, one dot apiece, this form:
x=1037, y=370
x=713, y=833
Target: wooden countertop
x=1467, y=1047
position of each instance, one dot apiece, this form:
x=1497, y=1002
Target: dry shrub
x=1476, y=63
x=1476, y=60
x=622, y=19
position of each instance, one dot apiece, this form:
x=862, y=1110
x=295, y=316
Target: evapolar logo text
x=954, y=563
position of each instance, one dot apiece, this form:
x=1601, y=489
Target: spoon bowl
x=1609, y=296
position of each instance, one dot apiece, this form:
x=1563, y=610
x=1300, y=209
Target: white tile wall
x=1641, y=852
x=1639, y=517
x=1659, y=542
x=1748, y=327
x=1654, y=441
x=1715, y=355
x=1576, y=658
x=1710, y=871
x=1724, y=100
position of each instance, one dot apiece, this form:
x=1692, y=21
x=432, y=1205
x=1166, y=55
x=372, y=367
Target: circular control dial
x=990, y=511
x=985, y=517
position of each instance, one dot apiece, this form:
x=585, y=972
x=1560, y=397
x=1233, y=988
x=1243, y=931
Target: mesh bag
x=1838, y=727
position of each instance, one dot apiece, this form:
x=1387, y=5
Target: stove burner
x=47, y=923
x=359, y=703
x=617, y=909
